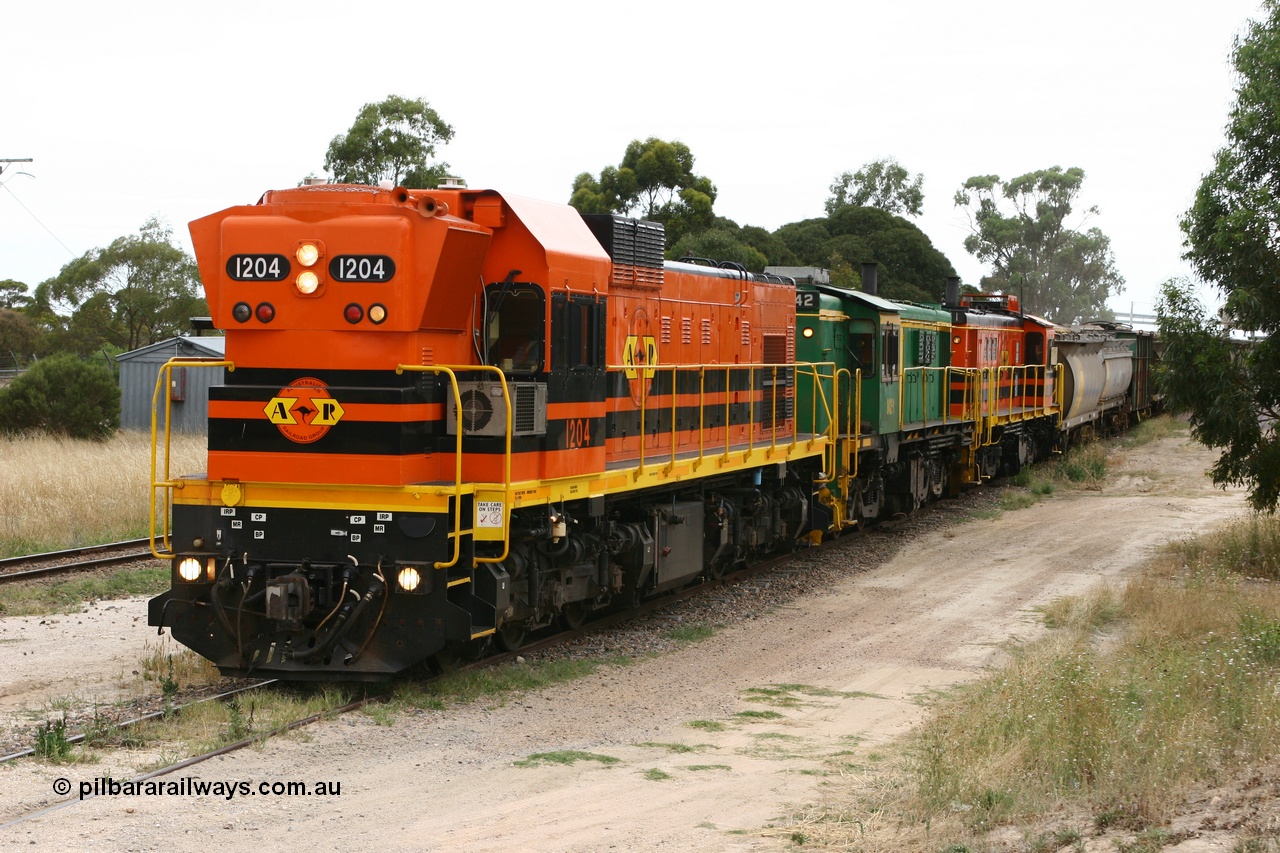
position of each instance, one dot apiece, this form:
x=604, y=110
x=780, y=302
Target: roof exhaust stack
x=870, y=285
x=952, y=297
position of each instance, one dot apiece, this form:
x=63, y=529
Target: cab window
x=515, y=327
x=889, y=353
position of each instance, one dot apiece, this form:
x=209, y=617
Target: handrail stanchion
x=168, y=484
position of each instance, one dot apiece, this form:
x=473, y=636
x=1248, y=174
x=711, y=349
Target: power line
x=6, y=161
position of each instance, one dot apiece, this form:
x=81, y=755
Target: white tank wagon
x=1096, y=369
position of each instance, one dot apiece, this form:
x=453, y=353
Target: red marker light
x=354, y=313
x=266, y=312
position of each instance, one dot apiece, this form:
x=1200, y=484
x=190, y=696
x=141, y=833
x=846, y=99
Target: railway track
x=126, y=725
x=542, y=640
x=69, y=561
x=600, y=623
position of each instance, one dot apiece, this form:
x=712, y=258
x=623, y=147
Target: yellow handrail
x=775, y=400
x=452, y=374
x=163, y=379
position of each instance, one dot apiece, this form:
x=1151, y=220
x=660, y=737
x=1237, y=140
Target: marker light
x=190, y=569
x=377, y=313
x=807, y=332
x=409, y=578
x=266, y=312
x=307, y=282
x=354, y=313
x=242, y=312
x=307, y=254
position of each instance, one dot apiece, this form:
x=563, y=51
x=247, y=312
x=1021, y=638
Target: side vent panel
x=636, y=247
x=483, y=413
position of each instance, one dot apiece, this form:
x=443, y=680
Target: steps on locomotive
x=482, y=593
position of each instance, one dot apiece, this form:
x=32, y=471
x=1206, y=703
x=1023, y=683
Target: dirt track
x=856, y=662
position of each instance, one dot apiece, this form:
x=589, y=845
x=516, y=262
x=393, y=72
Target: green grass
x=1085, y=466
x=565, y=756
x=707, y=725
x=51, y=741
x=758, y=715
x=794, y=695
x=1247, y=548
x=70, y=595
x=1081, y=467
x=498, y=681
x=1153, y=429
x=656, y=775
x=1014, y=500
x=678, y=747
x=209, y=725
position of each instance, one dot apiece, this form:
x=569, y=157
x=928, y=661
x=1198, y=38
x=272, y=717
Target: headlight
x=190, y=569
x=307, y=254
x=307, y=282
x=409, y=578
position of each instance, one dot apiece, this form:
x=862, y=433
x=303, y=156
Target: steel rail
x=67, y=568
x=154, y=715
x=71, y=552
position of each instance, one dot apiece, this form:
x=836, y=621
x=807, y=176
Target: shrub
x=62, y=395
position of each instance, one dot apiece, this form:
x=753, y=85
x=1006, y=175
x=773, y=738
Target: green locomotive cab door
x=888, y=415
x=860, y=348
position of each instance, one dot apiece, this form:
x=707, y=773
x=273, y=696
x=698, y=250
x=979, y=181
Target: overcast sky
x=176, y=110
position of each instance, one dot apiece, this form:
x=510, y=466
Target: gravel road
x=694, y=748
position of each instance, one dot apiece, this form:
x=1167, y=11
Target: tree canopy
x=13, y=294
x=654, y=181
x=724, y=241
x=911, y=268
x=1020, y=228
x=18, y=335
x=1232, y=391
x=139, y=290
x=392, y=140
x=62, y=395
x=882, y=183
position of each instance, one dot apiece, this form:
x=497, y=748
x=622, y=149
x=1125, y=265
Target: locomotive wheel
x=573, y=614
x=510, y=636
x=445, y=660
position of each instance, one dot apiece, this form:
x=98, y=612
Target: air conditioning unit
x=483, y=412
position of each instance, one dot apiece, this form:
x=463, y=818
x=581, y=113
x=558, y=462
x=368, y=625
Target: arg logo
x=303, y=411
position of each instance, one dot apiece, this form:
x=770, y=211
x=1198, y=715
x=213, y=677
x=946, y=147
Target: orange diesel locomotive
x=454, y=414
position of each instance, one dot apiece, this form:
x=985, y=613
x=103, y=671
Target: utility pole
x=5, y=161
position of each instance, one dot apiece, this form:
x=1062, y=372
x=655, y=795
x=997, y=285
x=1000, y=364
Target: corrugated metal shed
x=189, y=390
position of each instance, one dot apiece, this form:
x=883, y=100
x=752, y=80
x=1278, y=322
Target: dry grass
x=1135, y=698
x=62, y=493
x=209, y=725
